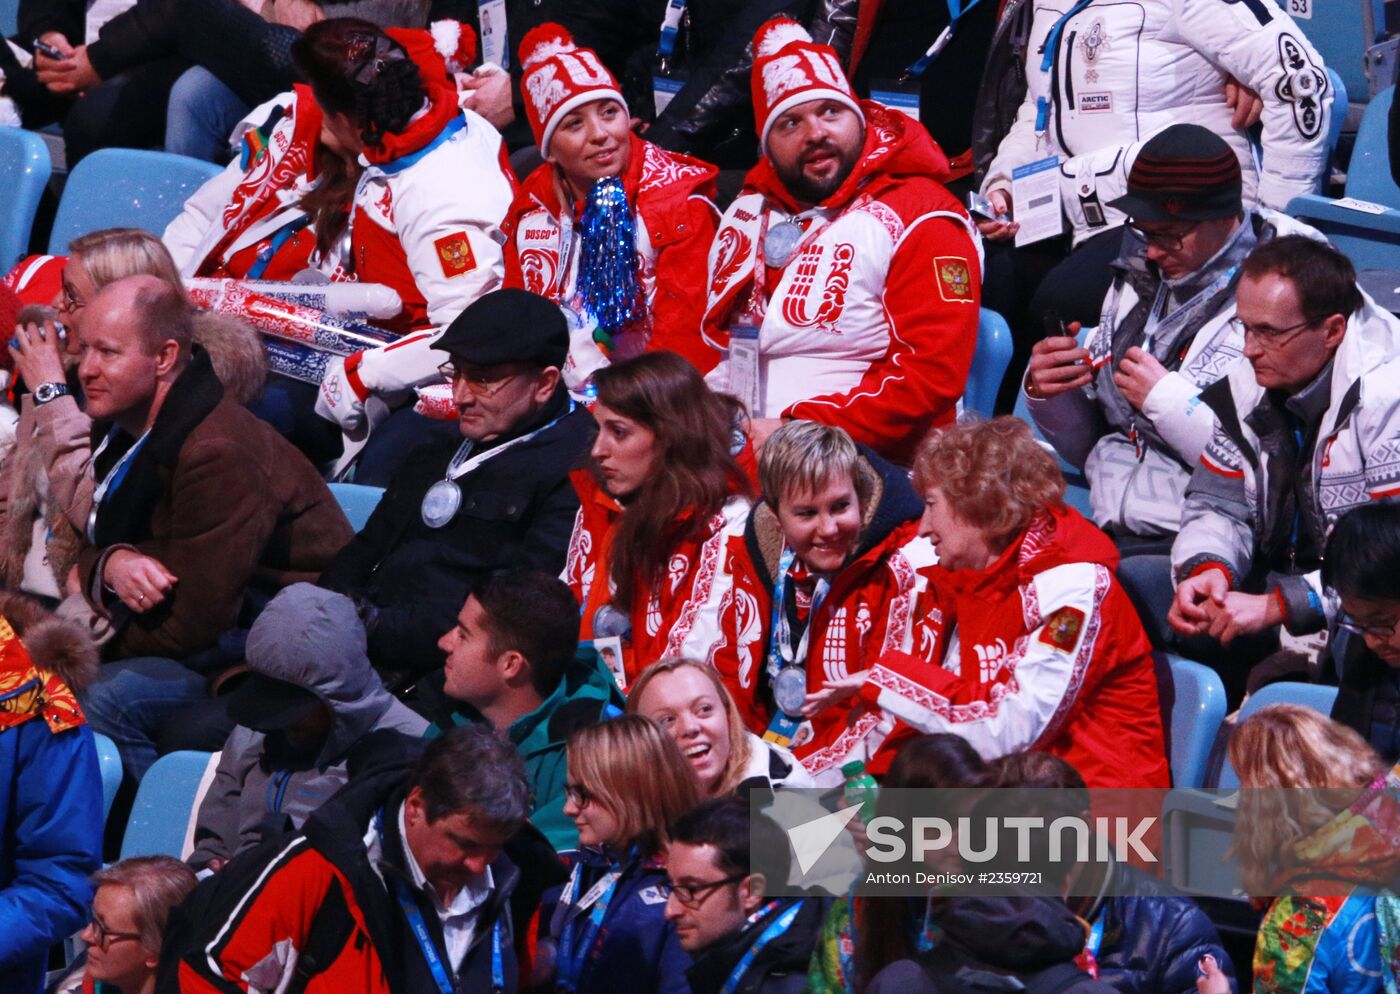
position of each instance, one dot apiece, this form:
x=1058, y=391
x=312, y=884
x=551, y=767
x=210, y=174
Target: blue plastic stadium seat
x=989, y=363
x=1338, y=30
x=109, y=765
x=1312, y=695
x=1197, y=711
x=357, y=501
x=166, y=804
x=126, y=187
x=1371, y=241
x=24, y=172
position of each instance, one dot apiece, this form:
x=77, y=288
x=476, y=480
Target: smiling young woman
x=558, y=237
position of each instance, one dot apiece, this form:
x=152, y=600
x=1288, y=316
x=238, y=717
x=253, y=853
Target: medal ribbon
x=781, y=651
x=816, y=214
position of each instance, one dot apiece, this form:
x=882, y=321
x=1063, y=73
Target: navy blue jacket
x=636, y=949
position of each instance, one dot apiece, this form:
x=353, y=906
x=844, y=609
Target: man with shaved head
x=200, y=513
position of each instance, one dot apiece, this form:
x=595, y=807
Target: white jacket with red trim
x=872, y=325
x=1041, y=650
x=675, y=221
x=680, y=616
x=1356, y=459
x=236, y=216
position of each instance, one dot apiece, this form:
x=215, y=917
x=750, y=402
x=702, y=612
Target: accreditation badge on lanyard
x=666, y=82
x=491, y=14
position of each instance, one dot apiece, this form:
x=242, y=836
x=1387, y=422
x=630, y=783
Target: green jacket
x=586, y=696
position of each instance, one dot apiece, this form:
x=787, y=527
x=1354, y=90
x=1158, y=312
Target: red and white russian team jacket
x=1041, y=650
x=866, y=612
x=873, y=323
x=672, y=197
x=678, y=618
x=250, y=214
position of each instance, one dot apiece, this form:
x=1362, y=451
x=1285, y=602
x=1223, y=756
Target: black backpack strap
x=330, y=931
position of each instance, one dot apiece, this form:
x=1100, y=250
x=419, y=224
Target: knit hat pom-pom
x=455, y=42
x=777, y=34
x=545, y=42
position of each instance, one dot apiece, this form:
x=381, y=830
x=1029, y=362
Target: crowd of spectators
x=680, y=505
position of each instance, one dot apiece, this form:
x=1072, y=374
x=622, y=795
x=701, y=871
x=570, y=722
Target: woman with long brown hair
x=662, y=498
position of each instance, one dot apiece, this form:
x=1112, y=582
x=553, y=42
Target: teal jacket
x=586, y=696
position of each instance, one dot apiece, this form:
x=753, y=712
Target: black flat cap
x=1183, y=173
x=508, y=326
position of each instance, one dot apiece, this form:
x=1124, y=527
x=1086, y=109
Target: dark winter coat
x=780, y=967
x=223, y=502
x=636, y=949
x=517, y=510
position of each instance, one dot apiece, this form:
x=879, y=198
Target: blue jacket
x=51, y=825
x=636, y=949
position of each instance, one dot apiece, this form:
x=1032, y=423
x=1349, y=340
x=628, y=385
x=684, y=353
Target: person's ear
x=547, y=383
x=1333, y=330
x=752, y=890
x=513, y=667
x=415, y=809
x=167, y=355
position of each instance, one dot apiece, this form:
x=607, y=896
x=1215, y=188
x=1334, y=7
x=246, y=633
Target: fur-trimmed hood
x=59, y=645
x=236, y=353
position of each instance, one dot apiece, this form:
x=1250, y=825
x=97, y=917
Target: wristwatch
x=46, y=392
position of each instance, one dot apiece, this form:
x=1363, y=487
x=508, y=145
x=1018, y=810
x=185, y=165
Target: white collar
x=466, y=901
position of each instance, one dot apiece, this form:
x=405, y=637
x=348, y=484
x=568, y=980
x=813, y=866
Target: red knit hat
x=558, y=77
x=455, y=42
x=789, y=68
x=37, y=279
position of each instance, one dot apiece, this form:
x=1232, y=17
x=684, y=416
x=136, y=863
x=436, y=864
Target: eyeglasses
x=1385, y=631
x=71, y=300
x=106, y=936
x=1274, y=336
x=1166, y=239
x=578, y=794
x=480, y=384
x=693, y=895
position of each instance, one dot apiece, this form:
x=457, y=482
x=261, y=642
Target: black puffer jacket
x=988, y=938
x=517, y=510
x=1153, y=940
x=711, y=117
x=901, y=33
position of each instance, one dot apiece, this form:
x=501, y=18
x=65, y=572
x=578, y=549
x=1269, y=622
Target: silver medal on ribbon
x=441, y=503
x=790, y=690
x=780, y=242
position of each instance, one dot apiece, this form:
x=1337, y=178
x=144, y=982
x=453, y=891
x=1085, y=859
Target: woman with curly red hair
x=1023, y=638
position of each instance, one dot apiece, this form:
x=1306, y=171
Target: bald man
x=200, y=512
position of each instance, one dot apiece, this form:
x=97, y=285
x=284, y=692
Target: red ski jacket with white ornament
x=872, y=324
x=1041, y=650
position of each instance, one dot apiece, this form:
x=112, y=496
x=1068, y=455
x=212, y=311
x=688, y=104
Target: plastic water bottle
x=861, y=789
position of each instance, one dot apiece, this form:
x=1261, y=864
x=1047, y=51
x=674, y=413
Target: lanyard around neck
x=113, y=478
x=419, y=927
x=775, y=928
x=463, y=462
x=574, y=950
x=781, y=651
